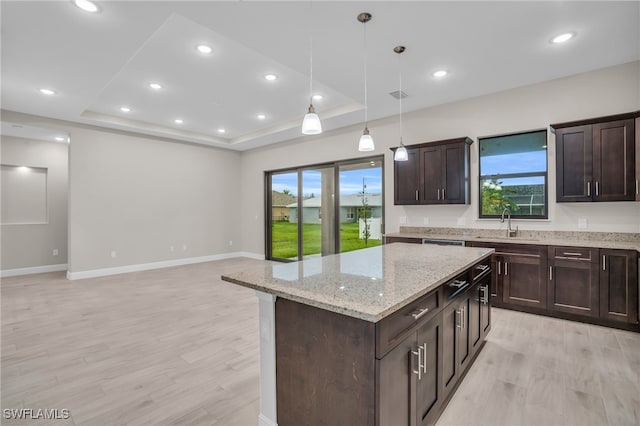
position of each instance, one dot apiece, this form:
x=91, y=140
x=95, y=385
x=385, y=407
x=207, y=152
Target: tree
x=286, y=191
x=494, y=198
x=363, y=213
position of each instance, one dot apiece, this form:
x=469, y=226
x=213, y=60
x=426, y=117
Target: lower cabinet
x=619, y=285
x=480, y=312
x=409, y=378
x=573, y=280
x=456, y=341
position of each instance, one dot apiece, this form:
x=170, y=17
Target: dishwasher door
x=443, y=242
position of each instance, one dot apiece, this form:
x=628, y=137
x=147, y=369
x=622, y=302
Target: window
x=513, y=175
x=306, y=217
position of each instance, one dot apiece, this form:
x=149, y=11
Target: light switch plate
x=403, y=220
x=582, y=222
x=425, y=220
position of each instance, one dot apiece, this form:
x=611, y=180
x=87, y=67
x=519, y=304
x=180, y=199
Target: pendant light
x=401, y=153
x=311, y=124
x=366, y=141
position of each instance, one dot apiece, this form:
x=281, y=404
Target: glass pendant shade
x=401, y=154
x=366, y=141
x=311, y=123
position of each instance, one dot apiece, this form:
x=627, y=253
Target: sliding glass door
x=305, y=218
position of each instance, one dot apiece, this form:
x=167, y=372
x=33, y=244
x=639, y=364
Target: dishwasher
x=443, y=242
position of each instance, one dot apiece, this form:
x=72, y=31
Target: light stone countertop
x=547, y=238
x=369, y=284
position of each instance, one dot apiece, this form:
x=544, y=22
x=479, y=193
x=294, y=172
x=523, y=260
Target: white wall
x=31, y=245
x=602, y=92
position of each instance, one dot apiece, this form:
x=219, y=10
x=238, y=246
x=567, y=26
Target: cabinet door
x=637, y=182
x=455, y=174
x=573, y=281
x=456, y=342
x=574, y=163
x=433, y=173
x=428, y=390
x=524, y=280
x=485, y=306
x=407, y=179
x=495, y=288
x=614, y=161
x=397, y=384
x=479, y=313
x=619, y=285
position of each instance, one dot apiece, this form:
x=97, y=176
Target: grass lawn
x=284, y=238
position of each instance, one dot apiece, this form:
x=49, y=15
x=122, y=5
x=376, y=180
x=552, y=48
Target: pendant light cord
x=311, y=54
x=366, y=105
x=400, y=94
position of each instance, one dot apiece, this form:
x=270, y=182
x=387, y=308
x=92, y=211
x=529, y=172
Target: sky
x=350, y=181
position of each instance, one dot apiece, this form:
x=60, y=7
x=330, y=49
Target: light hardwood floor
x=180, y=346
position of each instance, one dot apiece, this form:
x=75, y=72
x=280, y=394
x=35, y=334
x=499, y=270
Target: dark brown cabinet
x=436, y=173
x=596, y=160
x=619, y=285
x=573, y=280
x=389, y=240
x=638, y=158
x=479, y=312
x=456, y=341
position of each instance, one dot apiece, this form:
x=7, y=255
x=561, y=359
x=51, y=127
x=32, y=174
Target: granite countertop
x=547, y=238
x=369, y=284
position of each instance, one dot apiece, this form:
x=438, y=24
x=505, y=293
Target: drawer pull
x=457, y=283
x=484, y=298
x=424, y=354
x=482, y=267
x=570, y=253
x=419, y=313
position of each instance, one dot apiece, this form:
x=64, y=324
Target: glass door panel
x=284, y=219
x=318, y=211
x=360, y=213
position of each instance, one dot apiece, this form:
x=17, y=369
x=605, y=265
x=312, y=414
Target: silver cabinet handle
x=438, y=195
x=604, y=262
x=419, y=313
x=482, y=267
x=457, y=283
x=597, y=188
x=443, y=196
x=424, y=354
x=464, y=313
x=484, y=298
x=637, y=186
x=588, y=189
x=499, y=269
x=459, y=318
x=420, y=366
x=506, y=268
x=570, y=253
x=550, y=273
x=416, y=195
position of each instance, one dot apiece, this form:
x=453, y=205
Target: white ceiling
x=99, y=62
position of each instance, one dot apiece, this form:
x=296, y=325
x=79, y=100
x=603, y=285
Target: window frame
x=544, y=175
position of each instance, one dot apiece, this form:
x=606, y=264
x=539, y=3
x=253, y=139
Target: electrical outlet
x=172, y=248
x=582, y=222
x=114, y=254
x=425, y=220
x=230, y=243
x=184, y=247
x=54, y=252
x=403, y=220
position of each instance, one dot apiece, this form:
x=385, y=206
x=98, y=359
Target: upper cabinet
x=436, y=173
x=596, y=159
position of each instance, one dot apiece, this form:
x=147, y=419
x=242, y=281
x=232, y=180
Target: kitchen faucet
x=510, y=232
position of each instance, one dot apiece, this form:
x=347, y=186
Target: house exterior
x=280, y=206
x=350, y=205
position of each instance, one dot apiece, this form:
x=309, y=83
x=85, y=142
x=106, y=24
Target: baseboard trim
x=34, y=270
x=94, y=273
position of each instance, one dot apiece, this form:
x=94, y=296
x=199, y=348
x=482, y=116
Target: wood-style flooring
x=180, y=346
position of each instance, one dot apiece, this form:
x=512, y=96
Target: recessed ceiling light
x=125, y=109
x=59, y=138
x=204, y=49
x=155, y=86
x=86, y=5
x=221, y=130
x=261, y=116
x=178, y=121
x=317, y=97
x=47, y=92
x=271, y=77
x=561, y=38
x=440, y=73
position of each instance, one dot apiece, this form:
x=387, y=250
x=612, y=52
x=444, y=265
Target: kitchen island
x=376, y=336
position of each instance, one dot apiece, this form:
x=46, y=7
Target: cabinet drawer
x=576, y=253
x=480, y=268
x=392, y=330
x=389, y=240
